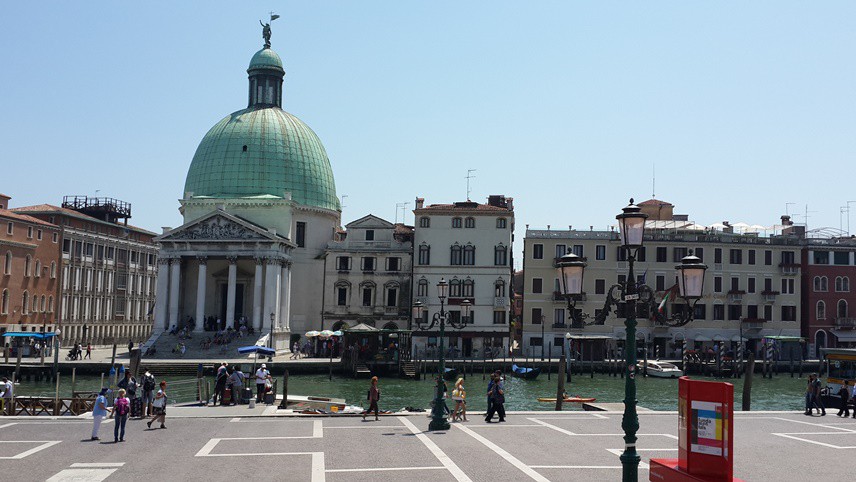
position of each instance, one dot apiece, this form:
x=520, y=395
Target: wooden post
x=18, y=362
x=560, y=390
x=591, y=361
x=113, y=357
x=550, y=360
x=73, y=380
x=331, y=365
x=484, y=365
x=6, y=353
x=645, y=357
x=57, y=410
x=284, y=404
x=747, y=383
x=102, y=380
x=791, y=361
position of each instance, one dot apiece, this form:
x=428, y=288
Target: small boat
x=525, y=373
x=568, y=400
x=661, y=369
x=451, y=374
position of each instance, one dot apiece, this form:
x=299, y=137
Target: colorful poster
x=707, y=434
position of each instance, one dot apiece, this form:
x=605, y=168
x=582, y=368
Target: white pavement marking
x=444, y=459
x=7, y=425
x=318, y=474
x=558, y=429
x=385, y=469
x=823, y=444
x=317, y=429
x=44, y=444
x=89, y=472
x=578, y=466
x=504, y=425
x=507, y=456
x=363, y=427
x=236, y=419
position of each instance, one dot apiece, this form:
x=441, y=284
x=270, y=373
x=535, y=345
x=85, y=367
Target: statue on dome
x=266, y=29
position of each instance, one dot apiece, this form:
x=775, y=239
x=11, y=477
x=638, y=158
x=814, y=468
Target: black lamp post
x=270, y=335
x=438, y=415
x=630, y=293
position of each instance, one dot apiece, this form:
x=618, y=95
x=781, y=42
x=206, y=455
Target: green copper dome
x=263, y=150
x=265, y=59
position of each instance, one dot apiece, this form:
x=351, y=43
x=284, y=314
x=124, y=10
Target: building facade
x=829, y=267
x=108, y=270
x=259, y=208
x=367, y=276
x=30, y=276
x=468, y=244
x=752, y=285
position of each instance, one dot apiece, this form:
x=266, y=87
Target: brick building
x=829, y=267
x=29, y=283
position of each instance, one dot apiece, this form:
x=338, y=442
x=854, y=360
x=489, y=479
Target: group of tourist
x=127, y=404
x=76, y=352
x=234, y=381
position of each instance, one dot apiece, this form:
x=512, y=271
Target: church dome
x=263, y=150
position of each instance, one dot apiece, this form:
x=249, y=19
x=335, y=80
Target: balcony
x=769, y=296
x=500, y=302
x=753, y=323
x=789, y=269
x=390, y=311
x=561, y=298
x=717, y=266
x=736, y=296
x=845, y=323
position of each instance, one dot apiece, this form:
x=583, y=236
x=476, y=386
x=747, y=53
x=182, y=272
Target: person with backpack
x=148, y=393
x=496, y=395
x=120, y=411
x=220, y=384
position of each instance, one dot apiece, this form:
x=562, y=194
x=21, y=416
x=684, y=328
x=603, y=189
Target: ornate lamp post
x=635, y=297
x=438, y=416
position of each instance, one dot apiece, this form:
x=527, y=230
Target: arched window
x=38, y=272
x=390, y=326
x=42, y=304
x=842, y=284
x=4, y=302
x=455, y=288
x=424, y=222
x=391, y=290
x=25, y=303
x=470, y=222
x=50, y=304
x=456, y=222
x=500, y=223
x=422, y=287
x=842, y=309
x=340, y=325
x=817, y=283
x=27, y=262
x=469, y=288
x=424, y=255
x=367, y=290
x=342, y=288
x=824, y=283
x=499, y=288
x=821, y=310
x=455, y=259
x=7, y=264
x=35, y=303
x=469, y=255
x=500, y=255
x=53, y=269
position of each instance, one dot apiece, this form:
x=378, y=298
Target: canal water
x=779, y=393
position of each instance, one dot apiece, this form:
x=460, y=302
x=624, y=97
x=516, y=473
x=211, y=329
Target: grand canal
x=779, y=393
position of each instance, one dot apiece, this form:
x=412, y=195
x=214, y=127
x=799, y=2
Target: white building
x=469, y=245
x=367, y=276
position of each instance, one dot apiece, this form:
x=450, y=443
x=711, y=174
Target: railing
x=845, y=323
x=34, y=406
x=754, y=324
x=734, y=297
x=500, y=301
x=789, y=269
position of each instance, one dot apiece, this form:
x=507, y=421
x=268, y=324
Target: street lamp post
x=270, y=335
x=438, y=415
x=543, y=319
x=635, y=297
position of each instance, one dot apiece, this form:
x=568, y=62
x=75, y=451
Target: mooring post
x=560, y=389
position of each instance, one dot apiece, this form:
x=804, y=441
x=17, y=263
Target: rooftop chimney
x=420, y=201
x=4, y=201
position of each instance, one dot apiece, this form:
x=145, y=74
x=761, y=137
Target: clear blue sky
x=566, y=106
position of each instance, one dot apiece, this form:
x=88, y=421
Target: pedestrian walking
x=120, y=412
x=295, y=351
x=88, y=351
x=813, y=398
x=7, y=393
x=220, y=384
x=373, y=398
x=159, y=406
x=489, y=390
x=237, y=381
x=459, y=395
x=99, y=411
x=496, y=392
x=149, y=385
x=844, y=394
x=262, y=377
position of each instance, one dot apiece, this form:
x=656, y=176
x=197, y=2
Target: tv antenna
x=403, y=208
x=653, y=181
x=469, y=176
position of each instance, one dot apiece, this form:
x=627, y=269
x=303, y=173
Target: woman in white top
x=159, y=406
x=459, y=395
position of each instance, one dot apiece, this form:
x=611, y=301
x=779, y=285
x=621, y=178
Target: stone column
x=174, y=290
x=230, y=294
x=271, y=304
x=201, y=286
x=285, y=299
x=258, y=282
x=162, y=296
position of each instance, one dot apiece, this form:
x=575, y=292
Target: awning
x=621, y=335
x=737, y=338
x=849, y=335
x=701, y=338
x=24, y=334
x=718, y=338
x=785, y=338
x=262, y=350
x=589, y=337
x=679, y=336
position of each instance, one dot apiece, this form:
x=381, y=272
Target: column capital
x=164, y=261
x=259, y=260
x=232, y=259
x=271, y=261
x=203, y=260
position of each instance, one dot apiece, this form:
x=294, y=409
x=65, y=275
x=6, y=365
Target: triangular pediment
x=219, y=226
x=370, y=221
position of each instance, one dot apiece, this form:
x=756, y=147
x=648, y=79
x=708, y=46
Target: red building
x=828, y=268
x=29, y=280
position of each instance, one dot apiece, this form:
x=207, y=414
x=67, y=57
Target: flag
x=669, y=295
x=641, y=280
x=273, y=17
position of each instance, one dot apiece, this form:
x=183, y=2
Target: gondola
x=569, y=399
x=451, y=374
x=525, y=373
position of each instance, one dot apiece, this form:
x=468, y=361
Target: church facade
x=259, y=208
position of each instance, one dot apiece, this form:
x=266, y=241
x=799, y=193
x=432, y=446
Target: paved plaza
x=532, y=445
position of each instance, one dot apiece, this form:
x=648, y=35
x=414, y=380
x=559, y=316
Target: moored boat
x=525, y=373
x=661, y=369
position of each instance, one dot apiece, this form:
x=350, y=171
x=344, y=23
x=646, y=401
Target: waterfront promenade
x=237, y=442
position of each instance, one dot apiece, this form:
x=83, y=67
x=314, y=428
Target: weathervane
x=266, y=29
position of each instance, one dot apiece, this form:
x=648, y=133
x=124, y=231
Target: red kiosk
x=705, y=435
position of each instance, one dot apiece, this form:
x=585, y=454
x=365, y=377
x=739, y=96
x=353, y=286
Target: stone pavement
x=540, y=446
